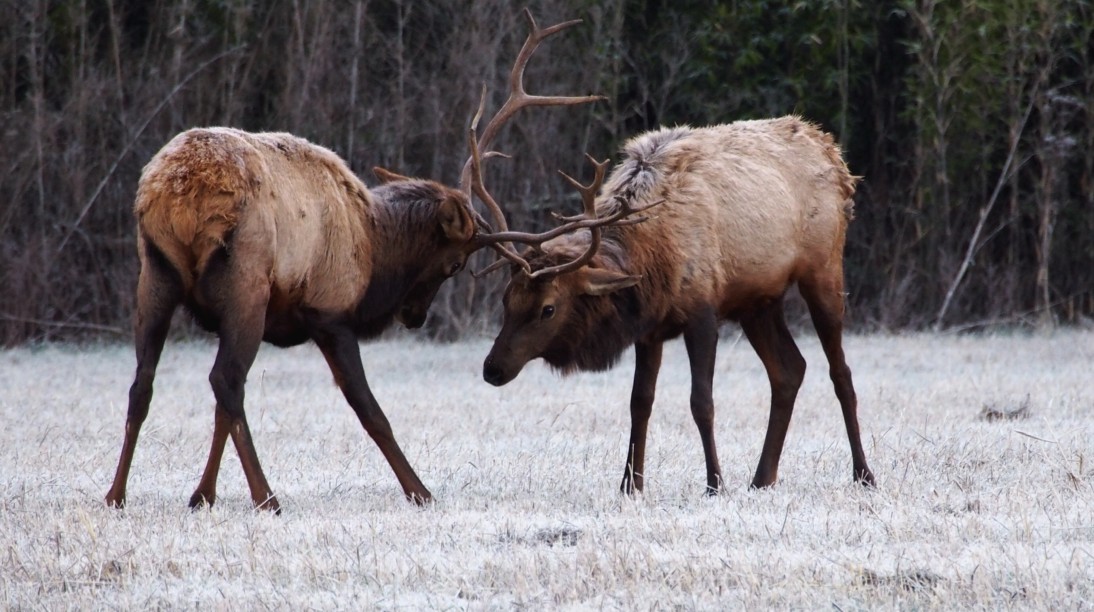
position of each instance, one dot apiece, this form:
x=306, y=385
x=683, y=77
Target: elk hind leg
x=206, y=492
x=159, y=292
x=647, y=359
x=767, y=332
x=241, y=304
x=826, y=306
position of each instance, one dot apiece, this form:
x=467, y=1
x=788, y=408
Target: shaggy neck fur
x=599, y=328
x=404, y=232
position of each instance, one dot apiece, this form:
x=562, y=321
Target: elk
x=745, y=210
x=268, y=237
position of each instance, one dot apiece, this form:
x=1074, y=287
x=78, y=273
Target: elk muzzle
x=492, y=372
x=497, y=369
x=413, y=311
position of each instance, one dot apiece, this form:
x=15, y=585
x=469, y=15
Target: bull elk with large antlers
x=745, y=211
x=267, y=237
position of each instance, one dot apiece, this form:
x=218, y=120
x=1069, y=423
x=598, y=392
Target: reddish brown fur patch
x=191, y=195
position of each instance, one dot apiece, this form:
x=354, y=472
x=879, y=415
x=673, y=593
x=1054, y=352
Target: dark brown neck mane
x=404, y=232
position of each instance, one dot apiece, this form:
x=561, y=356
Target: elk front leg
x=340, y=348
x=767, y=332
x=701, y=340
x=157, y=297
x=647, y=363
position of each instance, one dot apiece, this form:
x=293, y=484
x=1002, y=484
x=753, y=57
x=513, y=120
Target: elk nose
x=491, y=373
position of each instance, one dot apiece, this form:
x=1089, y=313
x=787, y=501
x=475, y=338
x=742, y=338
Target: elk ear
x=598, y=281
x=387, y=176
x=456, y=221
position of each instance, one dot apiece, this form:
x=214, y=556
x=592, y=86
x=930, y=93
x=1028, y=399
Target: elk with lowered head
x=745, y=211
x=268, y=237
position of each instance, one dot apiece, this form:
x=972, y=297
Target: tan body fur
x=297, y=205
x=749, y=209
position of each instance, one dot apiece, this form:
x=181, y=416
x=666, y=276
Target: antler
x=471, y=175
x=588, y=219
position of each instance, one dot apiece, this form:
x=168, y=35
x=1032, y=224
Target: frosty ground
x=969, y=511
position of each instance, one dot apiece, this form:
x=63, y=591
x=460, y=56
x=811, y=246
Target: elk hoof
x=421, y=499
x=115, y=502
x=758, y=483
x=865, y=478
x=201, y=500
x=270, y=505
x=632, y=484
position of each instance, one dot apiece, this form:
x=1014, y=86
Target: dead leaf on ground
x=992, y=413
x=913, y=580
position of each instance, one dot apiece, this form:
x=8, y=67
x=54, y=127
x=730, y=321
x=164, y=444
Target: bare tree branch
x=129, y=144
x=974, y=241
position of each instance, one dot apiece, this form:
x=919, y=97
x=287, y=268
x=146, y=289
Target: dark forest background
x=971, y=122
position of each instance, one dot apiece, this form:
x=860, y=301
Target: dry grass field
x=971, y=511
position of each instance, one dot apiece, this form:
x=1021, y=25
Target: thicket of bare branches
x=971, y=123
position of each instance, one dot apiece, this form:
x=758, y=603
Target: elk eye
x=548, y=312
x=456, y=267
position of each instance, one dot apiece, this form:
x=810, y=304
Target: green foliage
x=758, y=59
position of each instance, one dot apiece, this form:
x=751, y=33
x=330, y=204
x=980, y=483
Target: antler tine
x=518, y=97
x=471, y=180
x=622, y=216
x=626, y=215
x=594, y=245
x=473, y=168
x=588, y=192
x=479, y=188
x=588, y=204
x=497, y=265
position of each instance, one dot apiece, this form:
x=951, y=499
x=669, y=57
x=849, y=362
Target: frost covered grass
x=974, y=509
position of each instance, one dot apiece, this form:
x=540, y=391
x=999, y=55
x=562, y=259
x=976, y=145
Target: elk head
x=557, y=293
x=456, y=228
x=445, y=249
